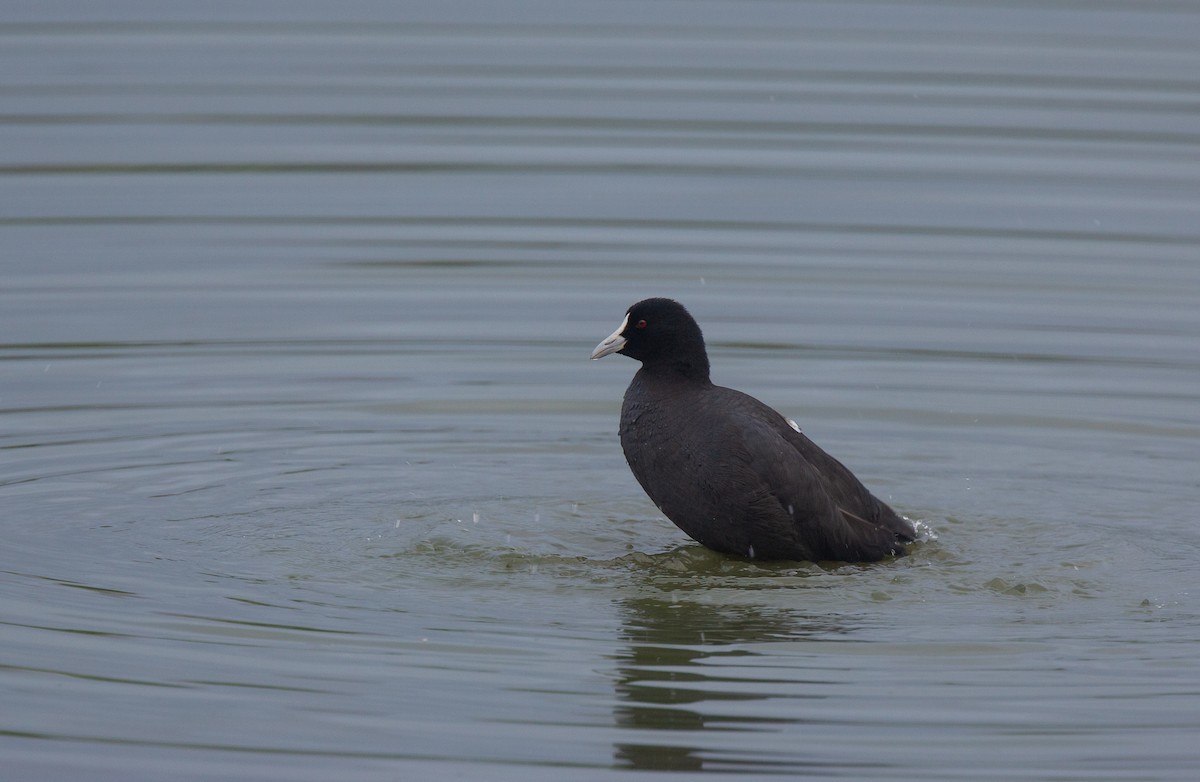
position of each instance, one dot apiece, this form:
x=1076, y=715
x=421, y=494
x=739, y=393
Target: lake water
x=305, y=474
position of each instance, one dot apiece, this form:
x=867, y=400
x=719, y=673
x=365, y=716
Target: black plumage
x=729, y=471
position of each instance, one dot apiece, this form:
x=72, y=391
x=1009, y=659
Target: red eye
x=641, y=324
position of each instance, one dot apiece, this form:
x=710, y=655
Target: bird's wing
x=826, y=503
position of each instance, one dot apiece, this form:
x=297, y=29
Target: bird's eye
x=641, y=324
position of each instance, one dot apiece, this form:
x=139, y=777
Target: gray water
x=304, y=473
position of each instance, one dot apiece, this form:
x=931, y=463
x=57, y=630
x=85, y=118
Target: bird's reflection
x=663, y=675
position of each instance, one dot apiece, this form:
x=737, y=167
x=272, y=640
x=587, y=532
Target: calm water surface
x=304, y=472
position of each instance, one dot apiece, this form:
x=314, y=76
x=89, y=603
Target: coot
x=729, y=471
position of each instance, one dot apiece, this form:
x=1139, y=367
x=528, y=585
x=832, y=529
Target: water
x=304, y=472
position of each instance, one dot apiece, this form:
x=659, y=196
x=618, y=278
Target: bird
x=732, y=473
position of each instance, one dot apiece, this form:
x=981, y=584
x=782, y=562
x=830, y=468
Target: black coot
x=729, y=471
